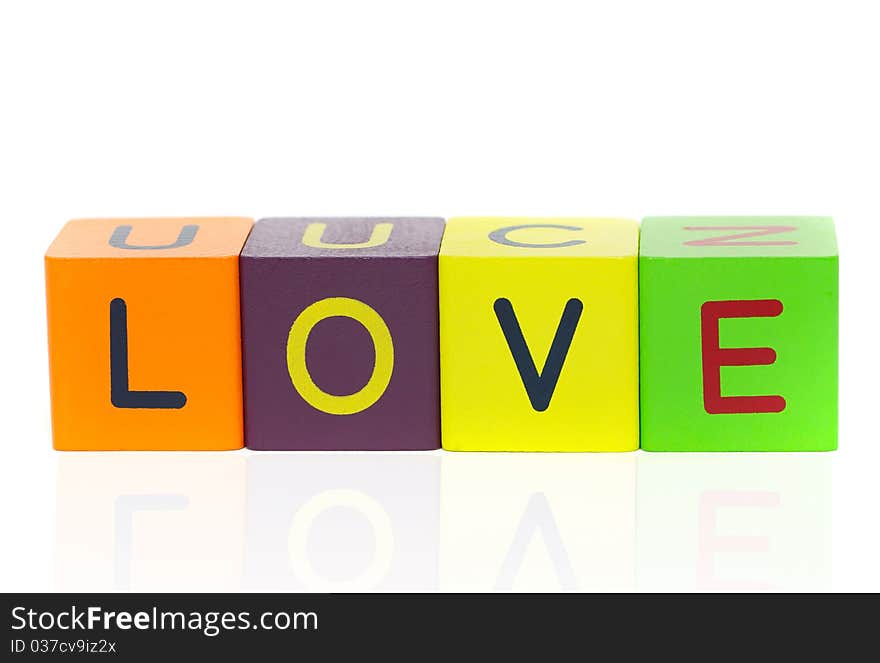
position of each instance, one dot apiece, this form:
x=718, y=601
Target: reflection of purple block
x=378, y=275
x=342, y=522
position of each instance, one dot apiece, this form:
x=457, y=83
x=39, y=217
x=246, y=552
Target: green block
x=738, y=334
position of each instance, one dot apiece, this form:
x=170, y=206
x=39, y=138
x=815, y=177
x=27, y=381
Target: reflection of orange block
x=144, y=334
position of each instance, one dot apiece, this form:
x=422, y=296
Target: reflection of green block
x=779, y=389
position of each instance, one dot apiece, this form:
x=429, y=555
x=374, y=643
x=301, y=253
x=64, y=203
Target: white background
x=436, y=108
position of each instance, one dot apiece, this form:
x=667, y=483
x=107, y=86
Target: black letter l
x=120, y=395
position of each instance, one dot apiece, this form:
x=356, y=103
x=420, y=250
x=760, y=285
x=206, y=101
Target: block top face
x=216, y=237
x=738, y=237
x=513, y=237
x=345, y=237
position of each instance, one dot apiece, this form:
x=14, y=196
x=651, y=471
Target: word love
x=476, y=334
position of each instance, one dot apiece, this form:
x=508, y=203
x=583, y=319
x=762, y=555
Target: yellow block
x=508, y=288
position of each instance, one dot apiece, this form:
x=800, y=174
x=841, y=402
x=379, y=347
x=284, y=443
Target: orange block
x=144, y=334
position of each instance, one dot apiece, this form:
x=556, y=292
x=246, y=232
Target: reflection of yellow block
x=508, y=288
x=545, y=522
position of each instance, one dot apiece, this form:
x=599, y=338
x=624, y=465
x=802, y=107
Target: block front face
x=341, y=349
x=144, y=334
x=739, y=353
x=539, y=347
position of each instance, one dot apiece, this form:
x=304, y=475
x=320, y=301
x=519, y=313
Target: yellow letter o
x=299, y=371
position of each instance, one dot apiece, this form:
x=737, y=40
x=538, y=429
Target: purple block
x=340, y=334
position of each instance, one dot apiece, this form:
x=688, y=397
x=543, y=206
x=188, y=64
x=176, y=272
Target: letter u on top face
x=503, y=334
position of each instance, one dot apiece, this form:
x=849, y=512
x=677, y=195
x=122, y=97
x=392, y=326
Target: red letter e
x=715, y=357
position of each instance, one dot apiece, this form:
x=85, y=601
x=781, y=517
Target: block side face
x=738, y=237
x=149, y=238
x=804, y=338
x=183, y=335
x=345, y=237
x=485, y=404
x=515, y=237
x=341, y=352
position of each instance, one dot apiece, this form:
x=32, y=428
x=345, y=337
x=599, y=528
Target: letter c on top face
x=502, y=236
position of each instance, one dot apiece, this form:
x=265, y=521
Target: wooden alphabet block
x=539, y=335
x=144, y=334
x=738, y=334
x=340, y=334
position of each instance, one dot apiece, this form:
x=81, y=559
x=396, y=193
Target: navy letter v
x=539, y=387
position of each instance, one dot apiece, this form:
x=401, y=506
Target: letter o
x=300, y=528
x=296, y=355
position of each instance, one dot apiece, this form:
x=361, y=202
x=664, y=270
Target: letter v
x=539, y=387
